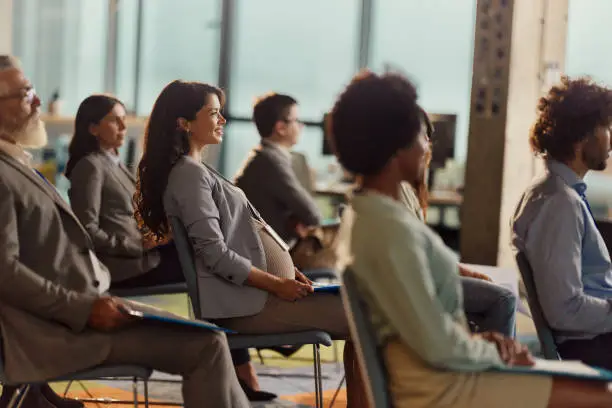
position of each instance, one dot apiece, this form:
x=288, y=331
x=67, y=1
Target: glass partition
x=310, y=52
x=431, y=42
x=589, y=36
x=62, y=48
x=179, y=40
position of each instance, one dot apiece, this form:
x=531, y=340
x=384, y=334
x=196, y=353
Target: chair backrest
x=363, y=335
x=187, y=261
x=545, y=334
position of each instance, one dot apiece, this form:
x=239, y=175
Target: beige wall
x=6, y=27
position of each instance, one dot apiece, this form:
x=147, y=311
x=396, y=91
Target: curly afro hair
x=372, y=119
x=567, y=115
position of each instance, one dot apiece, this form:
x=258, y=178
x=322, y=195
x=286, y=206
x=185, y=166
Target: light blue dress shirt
x=554, y=227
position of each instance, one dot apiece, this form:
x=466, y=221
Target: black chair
x=96, y=373
x=242, y=341
x=363, y=335
x=545, y=334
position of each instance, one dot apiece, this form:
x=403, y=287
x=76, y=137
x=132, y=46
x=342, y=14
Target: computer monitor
x=443, y=139
x=327, y=150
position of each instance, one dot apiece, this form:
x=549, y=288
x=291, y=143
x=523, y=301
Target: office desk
x=445, y=199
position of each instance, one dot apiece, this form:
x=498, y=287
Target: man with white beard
x=55, y=316
x=20, y=128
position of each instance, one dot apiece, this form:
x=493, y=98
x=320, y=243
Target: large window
x=127, y=53
x=62, y=48
x=304, y=48
x=589, y=37
x=241, y=137
x=307, y=49
x=431, y=42
x=179, y=40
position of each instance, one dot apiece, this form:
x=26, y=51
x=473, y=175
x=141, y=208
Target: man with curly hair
x=554, y=227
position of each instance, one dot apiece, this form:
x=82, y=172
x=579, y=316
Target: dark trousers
x=240, y=356
x=491, y=307
x=168, y=271
x=596, y=352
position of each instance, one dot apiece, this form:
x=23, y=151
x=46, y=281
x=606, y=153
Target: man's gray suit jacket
x=269, y=182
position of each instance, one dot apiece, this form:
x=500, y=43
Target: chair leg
x=84, y=387
x=146, y=392
x=331, y=404
x=135, y=391
x=318, y=376
x=336, y=352
x=190, y=308
x=19, y=396
x=67, y=388
x=261, y=359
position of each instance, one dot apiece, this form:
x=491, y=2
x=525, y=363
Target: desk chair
x=302, y=171
x=241, y=341
x=545, y=334
x=364, y=337
x=96, y=373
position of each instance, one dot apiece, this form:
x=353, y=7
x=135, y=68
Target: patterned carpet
x=294, y=385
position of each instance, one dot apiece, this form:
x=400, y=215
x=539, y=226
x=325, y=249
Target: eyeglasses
x=27, y=94
x=298, y=121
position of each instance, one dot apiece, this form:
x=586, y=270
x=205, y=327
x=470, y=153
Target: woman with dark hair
x=247, y=279
x=101, y=191
x=489, y=307
x=409, y=278
x=415, y=195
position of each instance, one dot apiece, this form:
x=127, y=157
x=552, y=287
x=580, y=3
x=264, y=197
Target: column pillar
x=519, y=51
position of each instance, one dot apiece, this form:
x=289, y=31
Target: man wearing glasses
x=55, y=316
x=268, y=179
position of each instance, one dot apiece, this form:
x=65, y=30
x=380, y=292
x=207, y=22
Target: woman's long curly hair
x=91, y=111
x=421, y=189
x=165, y=143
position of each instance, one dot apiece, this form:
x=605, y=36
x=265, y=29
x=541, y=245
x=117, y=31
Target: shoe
x=57, y=400
x=256, y=396
x=286, y=351
x=33, y=399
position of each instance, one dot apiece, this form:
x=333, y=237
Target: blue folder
x=330, y=221
x=326, y=288
x=201, y=324
x=570, y=369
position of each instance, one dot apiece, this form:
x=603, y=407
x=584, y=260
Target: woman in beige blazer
x=101, y=195
x=247, y=281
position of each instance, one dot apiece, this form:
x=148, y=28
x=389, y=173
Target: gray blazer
x=47, y=280
x=269, y=182
x=101, y=194
x=217, y=217
x=299, y=163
